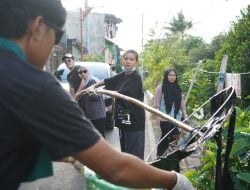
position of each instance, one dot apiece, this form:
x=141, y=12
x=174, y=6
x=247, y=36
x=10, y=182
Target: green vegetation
x=94, y=58
x=237, y=47
x=239, y=161
x=176, y=49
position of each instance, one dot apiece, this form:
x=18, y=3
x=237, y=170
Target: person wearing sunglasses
x=92, y=105
x=58, y=31
x=39, y=121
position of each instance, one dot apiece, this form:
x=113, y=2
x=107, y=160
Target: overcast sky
x=209, y=17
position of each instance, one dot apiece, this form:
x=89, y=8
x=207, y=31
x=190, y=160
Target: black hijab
x=172, y=93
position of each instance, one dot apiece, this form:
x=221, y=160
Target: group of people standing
x=129, y=118
x=41, y=123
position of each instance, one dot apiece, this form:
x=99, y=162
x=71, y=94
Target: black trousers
x=100, y=125
x=132, y=142
x=165, y=128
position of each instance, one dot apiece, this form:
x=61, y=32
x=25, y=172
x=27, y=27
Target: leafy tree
x=216, y=44
x=237, y=47
x=195, y=48
x=179, y=24
x=155, y=58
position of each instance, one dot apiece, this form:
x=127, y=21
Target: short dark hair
x=15, y=15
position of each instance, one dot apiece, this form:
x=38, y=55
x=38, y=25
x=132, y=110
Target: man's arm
x=72, y=91
x=79, y=94
x=100, y=83
x=125, y=169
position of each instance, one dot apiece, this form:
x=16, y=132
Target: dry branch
x=140, y=104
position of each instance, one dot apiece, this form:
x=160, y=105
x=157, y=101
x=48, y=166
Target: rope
x=210, y=72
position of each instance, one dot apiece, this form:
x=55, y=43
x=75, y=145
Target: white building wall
x=93, y=30
x=94, y=33
x=73, y=25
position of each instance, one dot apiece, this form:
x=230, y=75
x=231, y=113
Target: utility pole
x=83, y=14
x=193, y=80
x=142, y=22
x=222, y=74
x=81, y=35
x=221, y=82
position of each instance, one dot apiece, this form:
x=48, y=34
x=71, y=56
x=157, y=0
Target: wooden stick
x=140, y=104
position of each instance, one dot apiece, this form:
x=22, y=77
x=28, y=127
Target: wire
x=246, y=73
x=209, y=71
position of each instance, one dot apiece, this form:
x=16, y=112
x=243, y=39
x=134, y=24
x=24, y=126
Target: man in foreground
x=39, y=121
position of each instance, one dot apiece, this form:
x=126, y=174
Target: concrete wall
x=94, y=33
x=72, y=25
x=93, y=30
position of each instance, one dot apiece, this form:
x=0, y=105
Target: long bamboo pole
x=144, y=106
